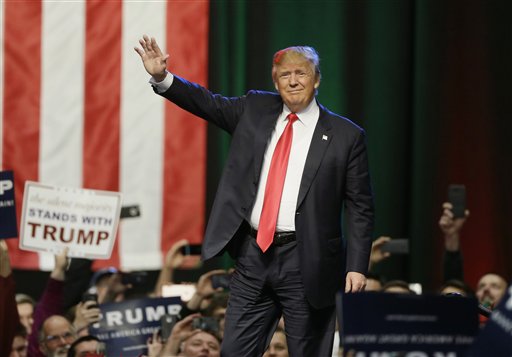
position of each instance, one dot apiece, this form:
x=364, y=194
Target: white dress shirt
x=303, y=130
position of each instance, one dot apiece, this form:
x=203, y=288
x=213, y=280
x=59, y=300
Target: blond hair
x=306, y=53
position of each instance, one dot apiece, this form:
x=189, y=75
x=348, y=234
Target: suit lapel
x=267, y=123
x=319, y=143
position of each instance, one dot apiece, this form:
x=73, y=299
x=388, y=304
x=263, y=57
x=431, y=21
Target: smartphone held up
x=192, y=256
x=457, y=197
x=191, y=249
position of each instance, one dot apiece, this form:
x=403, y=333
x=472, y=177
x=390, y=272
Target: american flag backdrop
x=76, y=110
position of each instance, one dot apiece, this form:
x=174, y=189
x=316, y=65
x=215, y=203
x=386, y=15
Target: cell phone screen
x=221, y=281
x=396, y=246
x=167, y=323
x=191, y=249
x=457, y=197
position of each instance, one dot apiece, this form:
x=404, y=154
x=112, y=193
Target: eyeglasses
x=67, y=337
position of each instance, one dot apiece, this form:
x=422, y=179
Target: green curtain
x=428, y=80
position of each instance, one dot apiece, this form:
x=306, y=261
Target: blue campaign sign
x=495, y=339
x=418, y=325
x=8, y=226
x=125, y=326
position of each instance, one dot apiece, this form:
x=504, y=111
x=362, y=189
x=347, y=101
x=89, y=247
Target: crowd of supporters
x=58, y=324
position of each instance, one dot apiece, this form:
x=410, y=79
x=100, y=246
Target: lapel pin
x=324, y=137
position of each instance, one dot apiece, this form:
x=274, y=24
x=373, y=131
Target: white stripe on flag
x=142, y=139
x=94, y=121
x=62, y=95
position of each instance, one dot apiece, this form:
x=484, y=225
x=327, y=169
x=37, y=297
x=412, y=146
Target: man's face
x=25, y=311
x=201, y=344
x=296, y=82
x=59, y=336
x=278, y=346
x=19, y=347
x=490, y=289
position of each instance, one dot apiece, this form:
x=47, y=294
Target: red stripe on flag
x=185, y=136
x=21, y=98
x=102, y=101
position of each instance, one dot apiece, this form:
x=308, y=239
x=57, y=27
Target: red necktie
x=274, y=186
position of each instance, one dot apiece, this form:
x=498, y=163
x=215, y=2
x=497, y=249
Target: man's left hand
x=354, y=282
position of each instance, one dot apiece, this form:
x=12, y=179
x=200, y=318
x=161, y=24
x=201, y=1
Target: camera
x=221, y=281
x=167, y=323
x=191, y=249
x=204, y=323
x=90, y=295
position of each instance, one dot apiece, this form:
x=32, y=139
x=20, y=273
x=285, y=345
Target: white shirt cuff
x=165, y=84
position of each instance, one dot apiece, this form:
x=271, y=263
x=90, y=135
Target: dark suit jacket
x=335, y=177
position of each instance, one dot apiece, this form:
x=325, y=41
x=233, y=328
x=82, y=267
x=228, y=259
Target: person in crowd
x=86, y=346
x=201, y=344
x=451, y=227
x=108, y=285
x=491, y=287
x=396, y=287
x=377, y=254
x=278, y=346
x=9, y=319
x=83, y=316
x=203, y=294
x=56, y=336
x=217, y=309
x=212, y=301
x=186, y=340
x=293, y=167
x=52, y=303
x=457, y=287
x=25, y=305
x=173, y=260
x=19, y=343
x=373, y=282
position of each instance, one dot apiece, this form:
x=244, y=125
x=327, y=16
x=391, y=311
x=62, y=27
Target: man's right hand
x=152, y=57
x=451, y=227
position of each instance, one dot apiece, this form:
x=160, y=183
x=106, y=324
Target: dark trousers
x=265, y=286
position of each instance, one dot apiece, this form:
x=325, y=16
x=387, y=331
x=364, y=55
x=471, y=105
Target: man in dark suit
x=292, y=169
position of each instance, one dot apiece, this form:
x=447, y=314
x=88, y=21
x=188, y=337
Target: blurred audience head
x=85, y=346
x=56, y=336
x=456, y=287
x=109, y=285
x=201, y=344
x=373, y=282
x=490, y=289
x=100, y=277
x=217, y=309
x=25, y=306
x=278, y=346
x=397, y=287
x=20, y=342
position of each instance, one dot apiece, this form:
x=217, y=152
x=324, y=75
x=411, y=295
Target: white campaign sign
x=83, y=220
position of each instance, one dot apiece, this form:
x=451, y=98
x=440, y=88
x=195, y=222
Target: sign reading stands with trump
x=85, y=221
